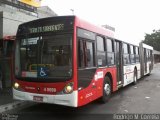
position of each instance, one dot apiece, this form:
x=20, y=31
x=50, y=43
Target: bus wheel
x=107, y=89
x=135, y=77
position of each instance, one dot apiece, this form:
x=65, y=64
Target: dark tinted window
x=86, y=34
x=125, y=47
x=149, y=55
x=132, y=53
x=110, y=58
x=81, y=54
x=126, y=58
x=110, y=52
x=137, y=54
x=136, y=50
x=110, y=46
x=85, y=54
x=131, y=49
x=89, y=54
x=101, y=55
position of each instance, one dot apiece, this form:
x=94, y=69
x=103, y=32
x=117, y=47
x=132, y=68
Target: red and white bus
x=67, y=61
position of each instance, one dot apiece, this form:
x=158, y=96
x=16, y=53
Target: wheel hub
x=135, y=78
x=107, y=88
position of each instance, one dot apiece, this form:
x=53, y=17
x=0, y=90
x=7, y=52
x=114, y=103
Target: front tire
x=107, y=89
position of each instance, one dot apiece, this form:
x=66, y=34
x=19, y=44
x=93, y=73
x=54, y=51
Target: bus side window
x=110, y=52
x=80, y=54
x=126, y=59
x=86, y=54
x=101, y=55
x=137, y=54
x=90, y=54
x=149, y=55
x=132, y=53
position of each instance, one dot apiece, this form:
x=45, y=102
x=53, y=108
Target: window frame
x=137, y=56
x=101, y=53
x=84, y=42
x=132, y=54
x=126, y=53
x=112, y=53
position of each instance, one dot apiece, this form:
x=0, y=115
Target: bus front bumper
x=64, y=99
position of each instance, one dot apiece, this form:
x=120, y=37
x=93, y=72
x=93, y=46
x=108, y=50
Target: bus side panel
x=128, y=74
x=87, y=95
x=95, y=88
x=93, y=91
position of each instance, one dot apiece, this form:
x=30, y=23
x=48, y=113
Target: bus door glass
x=119, y=61
x=145, y=60
x=86, y=57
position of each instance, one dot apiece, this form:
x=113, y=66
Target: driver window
x=85, y=54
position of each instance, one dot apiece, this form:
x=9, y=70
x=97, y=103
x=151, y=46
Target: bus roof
x=84, y=25
x=147, y=46
x=79, y=23
x=97, y=29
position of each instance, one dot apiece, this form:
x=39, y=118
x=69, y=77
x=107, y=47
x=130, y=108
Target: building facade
x=13, y=13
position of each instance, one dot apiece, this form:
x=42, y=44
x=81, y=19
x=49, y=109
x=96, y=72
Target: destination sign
x=49, y=28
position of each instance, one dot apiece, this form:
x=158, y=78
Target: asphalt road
x=141, y=98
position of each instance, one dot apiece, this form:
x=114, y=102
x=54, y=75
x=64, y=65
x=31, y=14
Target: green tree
x=153, y=39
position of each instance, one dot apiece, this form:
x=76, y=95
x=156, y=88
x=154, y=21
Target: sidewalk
x=7, y=102
x=6, y=96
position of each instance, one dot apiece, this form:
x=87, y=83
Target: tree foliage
x=153, y=39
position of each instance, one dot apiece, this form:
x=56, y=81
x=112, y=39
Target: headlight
x=16, y=85
x=68, y=88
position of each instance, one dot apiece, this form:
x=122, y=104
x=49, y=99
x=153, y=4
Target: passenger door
x=119, y=64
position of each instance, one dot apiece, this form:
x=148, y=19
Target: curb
x=14, y=105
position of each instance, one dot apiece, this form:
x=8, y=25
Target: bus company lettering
x=98, y=75
x=50, y=28
x=30, y=88
x=128, y=69
x=89, y=95
x=52, y=90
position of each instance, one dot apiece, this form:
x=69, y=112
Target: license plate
x=38, y=98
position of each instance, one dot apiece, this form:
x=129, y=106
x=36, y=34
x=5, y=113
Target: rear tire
x=107, y=90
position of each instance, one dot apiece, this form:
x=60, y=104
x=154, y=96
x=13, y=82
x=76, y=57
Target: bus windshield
x=44, y=57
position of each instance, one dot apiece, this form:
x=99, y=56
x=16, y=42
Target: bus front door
x=145, y=61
